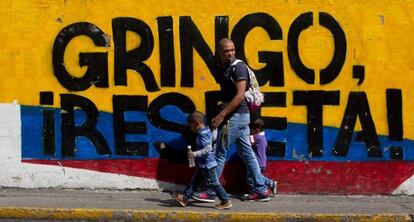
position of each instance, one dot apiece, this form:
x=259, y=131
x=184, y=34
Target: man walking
x=233, y=121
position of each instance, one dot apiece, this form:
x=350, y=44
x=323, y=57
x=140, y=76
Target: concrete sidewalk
x=113, y=205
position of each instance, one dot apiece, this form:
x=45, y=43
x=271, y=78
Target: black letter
x=87, y=129
x=133, y=59
x=167, y=59
x=357, y=106
x=121, y=104
x=190, y=37
x=301, y=23
x=394, y=114
x=395, y=124
x=328, y=74
x=275, y=99
x=48, y=136
x=97, y=72
x=221, y=29
x=175, y=99
x=314, y=101
x=273, y=71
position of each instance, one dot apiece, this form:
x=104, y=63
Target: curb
x=158, y=215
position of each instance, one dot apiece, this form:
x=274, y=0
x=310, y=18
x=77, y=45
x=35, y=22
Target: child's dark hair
x=257, y=124
x=196, y=116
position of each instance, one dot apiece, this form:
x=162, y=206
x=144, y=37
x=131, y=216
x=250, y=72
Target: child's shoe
x=224, y=205
x=273, y=187
x=181, y=199
x=203, y=197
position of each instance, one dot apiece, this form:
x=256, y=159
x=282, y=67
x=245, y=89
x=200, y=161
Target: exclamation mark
x=395, y=124
x=48, y=133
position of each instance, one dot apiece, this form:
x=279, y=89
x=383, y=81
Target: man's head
x=226, y=51
x=196, y=121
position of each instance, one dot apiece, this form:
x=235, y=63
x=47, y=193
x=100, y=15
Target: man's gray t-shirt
x=230, y=76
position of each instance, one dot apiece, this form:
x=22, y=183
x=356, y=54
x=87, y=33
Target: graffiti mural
x=114, y=93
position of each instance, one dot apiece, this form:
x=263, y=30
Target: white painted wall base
x=406, y=188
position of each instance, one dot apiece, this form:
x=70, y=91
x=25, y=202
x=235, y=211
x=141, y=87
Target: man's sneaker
x=181, y=199
x=273, y=188
x=260, y=197
x=203, y=197
x=224, y=205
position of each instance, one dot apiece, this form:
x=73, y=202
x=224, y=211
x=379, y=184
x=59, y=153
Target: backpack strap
x=235, y=62
x=233, y=67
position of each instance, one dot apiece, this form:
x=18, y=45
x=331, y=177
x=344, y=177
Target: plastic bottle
x=191, y=162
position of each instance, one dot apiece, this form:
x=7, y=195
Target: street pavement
x=146, y=205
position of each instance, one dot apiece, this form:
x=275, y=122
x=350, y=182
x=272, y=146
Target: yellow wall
x=378, y=35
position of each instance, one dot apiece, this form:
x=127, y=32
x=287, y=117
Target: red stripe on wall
x=292, y=176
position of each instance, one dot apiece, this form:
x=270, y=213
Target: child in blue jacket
x=205, y=162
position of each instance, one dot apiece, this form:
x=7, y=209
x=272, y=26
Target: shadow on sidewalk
x=164, y=203
x=173, y=203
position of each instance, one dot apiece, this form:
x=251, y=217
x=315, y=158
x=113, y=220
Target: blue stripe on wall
x=295, y=138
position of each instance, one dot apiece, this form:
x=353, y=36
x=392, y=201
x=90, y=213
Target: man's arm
x=234, y=103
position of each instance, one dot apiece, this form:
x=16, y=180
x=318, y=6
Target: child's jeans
x=211, y=180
